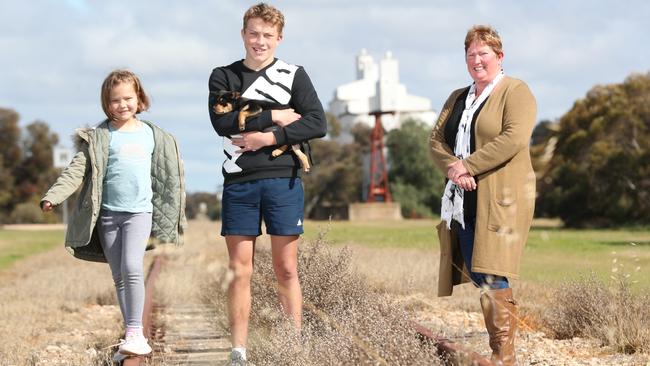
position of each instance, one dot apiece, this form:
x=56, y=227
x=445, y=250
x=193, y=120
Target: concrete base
x=374, y=211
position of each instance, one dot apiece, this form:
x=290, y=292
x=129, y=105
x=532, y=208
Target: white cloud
x=159, y=53
x=55, y=54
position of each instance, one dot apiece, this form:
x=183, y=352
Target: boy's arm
x=226, y=124
x=305, y=102
x=69, y=180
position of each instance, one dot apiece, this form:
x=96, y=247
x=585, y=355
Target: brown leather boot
x=500, y=313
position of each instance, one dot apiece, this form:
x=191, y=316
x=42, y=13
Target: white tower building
x=377, y=89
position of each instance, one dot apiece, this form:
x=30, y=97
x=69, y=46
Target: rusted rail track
x=449, y=352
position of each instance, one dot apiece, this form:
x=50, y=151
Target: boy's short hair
x=123, y=76
x=485, y=34
x=267, y=13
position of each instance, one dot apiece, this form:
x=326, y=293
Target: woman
x=481, y=142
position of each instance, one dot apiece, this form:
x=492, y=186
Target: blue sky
x=57, y=52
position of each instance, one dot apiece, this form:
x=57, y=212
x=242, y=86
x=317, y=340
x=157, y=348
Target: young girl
x=132, y=190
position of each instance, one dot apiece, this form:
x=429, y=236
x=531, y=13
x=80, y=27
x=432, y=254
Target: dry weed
x=588, y=308
x=345, y=321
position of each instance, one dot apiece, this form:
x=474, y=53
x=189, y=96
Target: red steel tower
x=378, y=190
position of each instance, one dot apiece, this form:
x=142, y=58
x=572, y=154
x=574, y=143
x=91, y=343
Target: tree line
x=26, y=168
x=592, y=165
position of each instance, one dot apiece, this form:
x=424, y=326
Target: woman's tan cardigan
x=506, y=183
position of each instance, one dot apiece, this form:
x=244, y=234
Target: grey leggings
x=124, y=236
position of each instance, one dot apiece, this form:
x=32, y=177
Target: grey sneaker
x=235, y=359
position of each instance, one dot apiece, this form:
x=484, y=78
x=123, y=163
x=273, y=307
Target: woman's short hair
x=267, y=13
x=123, y=76
x=485, y=34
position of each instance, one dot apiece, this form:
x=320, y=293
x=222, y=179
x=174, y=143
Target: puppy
x=228, y=101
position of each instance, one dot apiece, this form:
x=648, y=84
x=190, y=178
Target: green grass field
x=16, y=245
x=558, y=254
x=551, y=256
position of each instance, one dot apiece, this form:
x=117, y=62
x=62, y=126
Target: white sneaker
x=135, y=345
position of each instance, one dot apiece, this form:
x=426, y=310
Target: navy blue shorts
x=278, y=201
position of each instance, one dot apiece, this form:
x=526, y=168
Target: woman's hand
x=284, y=117
x=466, y=182
x=46, y=206
x=459, y=175
x=456, y=170
x=252, y=141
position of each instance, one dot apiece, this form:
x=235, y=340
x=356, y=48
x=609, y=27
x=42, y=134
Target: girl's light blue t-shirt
x=127, y=183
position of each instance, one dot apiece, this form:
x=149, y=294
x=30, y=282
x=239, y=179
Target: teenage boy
x=256, y=185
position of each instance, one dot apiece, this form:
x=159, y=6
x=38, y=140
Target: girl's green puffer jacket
x=87, y=170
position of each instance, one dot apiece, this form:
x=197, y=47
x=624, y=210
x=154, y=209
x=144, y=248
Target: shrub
x=344, y=320
x=412, y=200
x=27, y=213
x=587, y=308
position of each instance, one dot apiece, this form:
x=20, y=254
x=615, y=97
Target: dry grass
x=345, y=321
x=189, y=268
x=615, y=316
x=410, y=275
x=399, y=271
x=57, y=310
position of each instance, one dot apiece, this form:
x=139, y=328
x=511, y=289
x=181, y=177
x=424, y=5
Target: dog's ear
x=223, y=93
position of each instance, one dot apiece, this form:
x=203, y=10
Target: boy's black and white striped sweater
x=281, y=83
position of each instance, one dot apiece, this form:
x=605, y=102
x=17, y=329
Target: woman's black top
x=451, y=130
